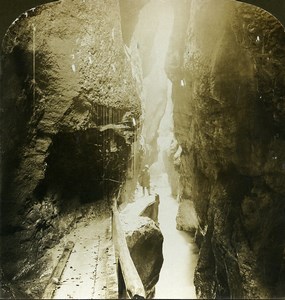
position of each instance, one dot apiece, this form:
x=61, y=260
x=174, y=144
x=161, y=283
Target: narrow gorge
x=91, y=92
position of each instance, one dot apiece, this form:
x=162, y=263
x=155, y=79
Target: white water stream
x=179, y=250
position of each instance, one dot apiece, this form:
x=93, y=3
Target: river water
x=179, y=250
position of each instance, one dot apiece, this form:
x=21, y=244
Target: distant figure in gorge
x=144, y=179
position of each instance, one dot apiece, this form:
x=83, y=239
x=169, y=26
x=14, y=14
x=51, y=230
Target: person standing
x=144, y=179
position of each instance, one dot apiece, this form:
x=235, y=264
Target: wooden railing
x=133, y=284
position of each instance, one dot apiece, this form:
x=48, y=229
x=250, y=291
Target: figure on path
x=144, y=179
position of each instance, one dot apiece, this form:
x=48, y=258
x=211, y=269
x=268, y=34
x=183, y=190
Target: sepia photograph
x=142, y=149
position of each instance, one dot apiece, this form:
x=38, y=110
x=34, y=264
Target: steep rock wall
x=68, y=99
x=153, y=36
x=228, y=91
x=171, y=159
x=130, y=14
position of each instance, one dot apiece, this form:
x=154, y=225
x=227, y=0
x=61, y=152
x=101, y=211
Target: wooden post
x=133, y=283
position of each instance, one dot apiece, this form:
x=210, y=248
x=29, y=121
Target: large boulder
x=144, y=240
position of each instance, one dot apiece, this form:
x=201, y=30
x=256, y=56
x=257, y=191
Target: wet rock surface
x=228, y=93
x=186, y=218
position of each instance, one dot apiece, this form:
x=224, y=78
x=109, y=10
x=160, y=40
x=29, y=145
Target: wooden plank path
x=57, y=273
x=89, y=257
x=89, y=271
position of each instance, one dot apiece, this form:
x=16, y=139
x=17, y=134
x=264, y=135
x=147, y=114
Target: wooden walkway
x=89, y=270
x=93, y=261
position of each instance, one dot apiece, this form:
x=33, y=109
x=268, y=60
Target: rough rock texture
x=155, y=108
x=136, y=17
x=68, y=100
x=146, y=31
x=143, y=37
x=171, y=159
x=186, y=218
x=152, y=34
x=144, y=240
x=226, y=63
x=130, y=14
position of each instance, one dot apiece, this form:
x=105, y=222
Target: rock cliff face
x=153, y=35
x=130, y=15
x=226, y=62
x=68, y=101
